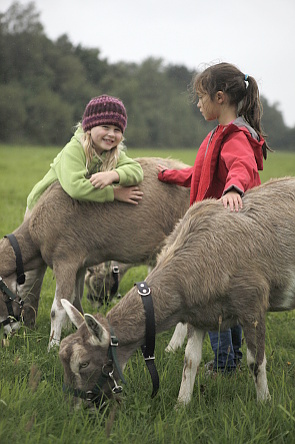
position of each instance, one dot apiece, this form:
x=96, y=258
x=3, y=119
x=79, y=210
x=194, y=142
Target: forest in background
x=45, y=86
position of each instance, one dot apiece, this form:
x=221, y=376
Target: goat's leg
x=259, y=376
x=79, y=289
x=178, y=337
x=65, y=289
x=256, y=360
x=192, y=359
x=30, y=293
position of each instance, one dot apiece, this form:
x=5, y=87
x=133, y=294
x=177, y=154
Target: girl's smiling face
x=105, y=137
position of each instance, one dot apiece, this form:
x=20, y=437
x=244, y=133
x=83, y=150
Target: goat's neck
x=30, y=253
x=129, y=321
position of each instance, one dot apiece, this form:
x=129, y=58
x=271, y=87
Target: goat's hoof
x=264, y=398
x=29, y=317
x=179, y=405
x=53, y=345
x=171, y=348
x=5, y=342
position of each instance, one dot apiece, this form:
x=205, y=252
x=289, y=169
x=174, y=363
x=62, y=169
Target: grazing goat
x=69, y=235
x=10, y=308
x=102, y=281
x=218, y=268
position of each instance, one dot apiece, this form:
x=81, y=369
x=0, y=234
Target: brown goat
x=102, y=281
x=10, y=309
x=69, y=236
x=235, y=266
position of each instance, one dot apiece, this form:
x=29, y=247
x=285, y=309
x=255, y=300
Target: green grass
x=223, y=410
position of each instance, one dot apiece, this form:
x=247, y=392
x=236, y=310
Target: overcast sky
x=256, y=35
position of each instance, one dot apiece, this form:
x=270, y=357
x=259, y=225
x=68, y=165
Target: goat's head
x=10, y=309
x=89, y=372
x=102, y=282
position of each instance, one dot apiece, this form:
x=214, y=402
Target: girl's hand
x=161, y=168
x=130, y=195
x=233, y=200
x=102, y=179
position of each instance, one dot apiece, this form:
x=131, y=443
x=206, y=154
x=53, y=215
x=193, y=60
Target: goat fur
x=218, y=268
x=69, y=235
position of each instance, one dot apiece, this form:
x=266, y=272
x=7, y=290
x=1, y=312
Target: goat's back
x=255, y=246
x=116, y=230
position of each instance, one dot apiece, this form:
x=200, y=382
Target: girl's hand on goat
x=128, y=194
x=104, y=178
x=233, y=200
x=161, y=168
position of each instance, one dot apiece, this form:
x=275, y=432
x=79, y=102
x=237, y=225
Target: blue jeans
x=227, y=348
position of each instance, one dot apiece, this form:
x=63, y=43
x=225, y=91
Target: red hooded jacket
x=229, y=157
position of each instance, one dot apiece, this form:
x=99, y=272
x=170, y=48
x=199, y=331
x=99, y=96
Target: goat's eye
x=84, y=364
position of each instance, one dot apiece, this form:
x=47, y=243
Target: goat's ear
x=75, y=316
x=99, y=335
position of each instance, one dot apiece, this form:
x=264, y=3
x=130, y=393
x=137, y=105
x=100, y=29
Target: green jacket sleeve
x=130, y=171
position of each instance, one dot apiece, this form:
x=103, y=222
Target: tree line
x=45, y=86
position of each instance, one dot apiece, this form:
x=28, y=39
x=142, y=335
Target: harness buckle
x=148, y=358
x=117, y=388
x=11, y=319
x=114, y=341
x=116, y=269
x=143, y=288
x=89, y=396
x=105, y=371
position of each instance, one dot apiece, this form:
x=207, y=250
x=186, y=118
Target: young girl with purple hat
x=91, y=167
x=93, y=161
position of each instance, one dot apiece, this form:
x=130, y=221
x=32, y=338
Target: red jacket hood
x=254, y=139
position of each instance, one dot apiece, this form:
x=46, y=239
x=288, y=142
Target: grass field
x=223, y=410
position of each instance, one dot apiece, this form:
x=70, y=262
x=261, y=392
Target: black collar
x=18, y=256
x=150, y=333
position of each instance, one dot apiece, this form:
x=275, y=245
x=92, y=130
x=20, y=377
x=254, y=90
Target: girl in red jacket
x=226, y=165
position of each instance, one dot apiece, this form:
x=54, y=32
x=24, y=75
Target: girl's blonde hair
x=111, y=158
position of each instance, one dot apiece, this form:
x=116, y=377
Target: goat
x=32, y=259
x=102, y=281
x=69, y=235
x=218, y=268
x=10, y=308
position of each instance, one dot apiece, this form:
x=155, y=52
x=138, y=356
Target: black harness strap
x=113, y=354
x=11, y=298
x=115, y=286
x=18, y=256
x=150, y=334
x=5, y=289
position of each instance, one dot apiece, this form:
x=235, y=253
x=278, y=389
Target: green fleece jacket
x=69, y=168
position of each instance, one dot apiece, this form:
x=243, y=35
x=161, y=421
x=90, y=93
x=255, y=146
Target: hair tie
x=246, y=77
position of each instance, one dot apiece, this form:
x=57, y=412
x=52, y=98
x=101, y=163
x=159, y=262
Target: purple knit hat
x=104, y=110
